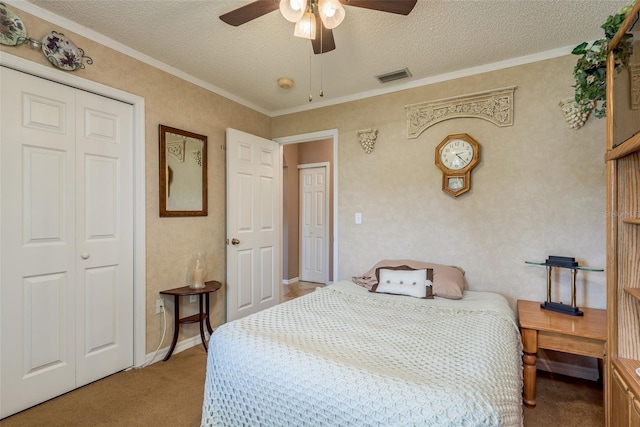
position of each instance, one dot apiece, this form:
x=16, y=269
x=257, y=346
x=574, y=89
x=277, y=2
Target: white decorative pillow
x=448, y=280
x=412, y=283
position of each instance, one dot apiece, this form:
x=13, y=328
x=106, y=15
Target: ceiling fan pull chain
x=321, y=52
x=321, y=90
x=310, y=95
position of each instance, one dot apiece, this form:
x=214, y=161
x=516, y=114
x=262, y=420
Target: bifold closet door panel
x=104, y=238
x=38, y=282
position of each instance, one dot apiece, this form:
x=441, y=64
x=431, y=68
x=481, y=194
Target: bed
x=346, y=356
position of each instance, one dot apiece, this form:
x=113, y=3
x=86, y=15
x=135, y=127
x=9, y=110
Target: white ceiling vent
x=394, y=75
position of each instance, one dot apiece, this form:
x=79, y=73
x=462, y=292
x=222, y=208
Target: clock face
x=456, y=154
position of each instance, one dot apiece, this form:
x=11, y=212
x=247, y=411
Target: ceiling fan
x=310, y=15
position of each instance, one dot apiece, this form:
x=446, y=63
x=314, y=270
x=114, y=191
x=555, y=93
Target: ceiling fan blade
x=401, y=7
x=324, y=39
x=249, y=12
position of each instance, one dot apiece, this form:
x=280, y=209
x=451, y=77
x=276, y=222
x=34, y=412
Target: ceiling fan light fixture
x=306, y=27
x=331, y=13
x=293, y=10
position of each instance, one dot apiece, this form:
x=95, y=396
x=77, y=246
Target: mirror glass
x=183, y=173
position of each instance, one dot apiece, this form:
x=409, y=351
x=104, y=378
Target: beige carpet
x=567, y=402
x=170, y=394
x=163, y=394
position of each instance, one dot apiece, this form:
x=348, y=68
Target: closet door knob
x=235, y=241
x=85, y=255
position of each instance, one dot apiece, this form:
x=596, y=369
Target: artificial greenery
x=590, y=71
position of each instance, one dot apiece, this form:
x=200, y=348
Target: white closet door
x=57, y=199
x=38, y=240
x=104, y=224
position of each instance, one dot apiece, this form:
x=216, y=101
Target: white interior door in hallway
x=66, y=282
x=314, y=227
x=254, y=224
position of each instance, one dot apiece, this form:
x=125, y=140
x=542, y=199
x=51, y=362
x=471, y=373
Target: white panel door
x=253, y=224
x=104, y=239
x=38, y=285
x=314, y=227
x=55, y=202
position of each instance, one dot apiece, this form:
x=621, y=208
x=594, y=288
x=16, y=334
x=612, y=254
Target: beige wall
x=174, y=102
x=539, y=189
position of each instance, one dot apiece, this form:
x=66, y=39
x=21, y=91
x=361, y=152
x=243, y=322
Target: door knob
x=85, y=255
x=235, y=241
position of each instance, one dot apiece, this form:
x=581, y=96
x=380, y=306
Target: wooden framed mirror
x=183, y=173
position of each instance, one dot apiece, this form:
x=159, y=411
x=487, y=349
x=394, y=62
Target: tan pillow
x=393, y=284
x=448, y=281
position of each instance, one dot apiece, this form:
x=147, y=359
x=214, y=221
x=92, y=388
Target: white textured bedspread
x=342, y=356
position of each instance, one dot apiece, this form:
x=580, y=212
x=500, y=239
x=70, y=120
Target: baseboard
x=576, y=371
x=180, y=346
x=290, y=281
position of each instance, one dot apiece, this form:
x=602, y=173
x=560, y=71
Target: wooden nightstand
x=202, y=317
x=583, y=335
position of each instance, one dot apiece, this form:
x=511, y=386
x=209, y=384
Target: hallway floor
x=297, y=289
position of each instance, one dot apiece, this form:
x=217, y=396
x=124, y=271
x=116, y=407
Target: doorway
x=315, y=147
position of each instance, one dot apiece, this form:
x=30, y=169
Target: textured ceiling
x=438, y=38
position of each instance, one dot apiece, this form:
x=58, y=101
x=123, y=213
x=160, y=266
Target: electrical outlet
x=159, y=305
x=193, y=298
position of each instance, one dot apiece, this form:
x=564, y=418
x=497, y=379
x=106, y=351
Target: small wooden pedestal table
x=201, y=317
x=583, y=335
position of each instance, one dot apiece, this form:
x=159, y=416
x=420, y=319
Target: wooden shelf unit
x=625, y=389
x=628, y=368
x=622, y=383
x=629, y=146
x=634, y=292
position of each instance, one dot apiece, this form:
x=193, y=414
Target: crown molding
x=508, y=63
x=117, y=46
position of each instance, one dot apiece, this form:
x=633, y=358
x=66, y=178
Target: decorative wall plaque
x=575, y=117
x=495, y=106
x=367, y=138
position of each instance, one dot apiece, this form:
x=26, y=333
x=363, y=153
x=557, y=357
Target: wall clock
x=456, y=156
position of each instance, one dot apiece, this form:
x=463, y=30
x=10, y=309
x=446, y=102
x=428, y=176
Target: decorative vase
x=195, y=271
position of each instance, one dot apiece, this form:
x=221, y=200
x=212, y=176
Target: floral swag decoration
x=590, y=71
